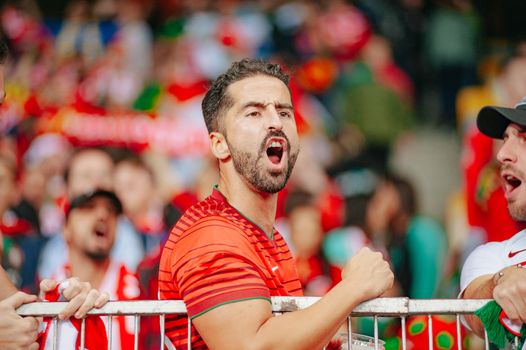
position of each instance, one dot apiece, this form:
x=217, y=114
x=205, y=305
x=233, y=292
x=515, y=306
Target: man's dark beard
x=97, y=256
x=252, y=170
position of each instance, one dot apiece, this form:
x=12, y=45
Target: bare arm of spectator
x=507, y=287
x=250, y=325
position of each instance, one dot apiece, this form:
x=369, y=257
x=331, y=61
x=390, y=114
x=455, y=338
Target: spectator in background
x=90, y=232
x=91, y=168
x=416, y=244
x=305, y=237
x=345, y=241
x=42, y=182
x=11, y=229
x=136, y=187
x=21, y=332
x=79, y=36
x=134, y=38
x=451, y=42
x=374, y=97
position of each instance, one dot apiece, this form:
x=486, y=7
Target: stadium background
x=381, y=88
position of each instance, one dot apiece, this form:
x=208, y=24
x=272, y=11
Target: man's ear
x=219, y=145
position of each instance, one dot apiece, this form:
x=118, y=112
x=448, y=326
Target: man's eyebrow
x=253, y=104
x=284, y=106
x=263, y=105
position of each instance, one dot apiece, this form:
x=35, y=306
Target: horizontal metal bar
x=379, y=307
x=445, y=306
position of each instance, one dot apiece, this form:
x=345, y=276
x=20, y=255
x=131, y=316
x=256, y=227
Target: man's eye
x=285, y=114
x=254, y=114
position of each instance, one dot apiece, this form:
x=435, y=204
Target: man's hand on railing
x=510, y=292
x=81, y=296
x=17, y=332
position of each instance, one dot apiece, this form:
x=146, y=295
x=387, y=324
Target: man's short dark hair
x=216, y=100
x=4, y=52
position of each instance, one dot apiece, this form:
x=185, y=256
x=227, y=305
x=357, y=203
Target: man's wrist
x=496, y=277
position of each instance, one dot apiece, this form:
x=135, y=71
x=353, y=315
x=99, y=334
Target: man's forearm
x=6, y=287
x=311, y=328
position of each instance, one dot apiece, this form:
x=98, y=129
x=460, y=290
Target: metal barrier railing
x=380, y=307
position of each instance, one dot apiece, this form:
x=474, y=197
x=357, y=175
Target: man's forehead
x=261, y=89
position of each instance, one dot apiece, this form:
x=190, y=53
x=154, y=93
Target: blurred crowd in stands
x=108, y=96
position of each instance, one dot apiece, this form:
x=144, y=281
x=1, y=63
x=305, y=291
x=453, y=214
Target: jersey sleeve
x=214, y=264
x=484, y=260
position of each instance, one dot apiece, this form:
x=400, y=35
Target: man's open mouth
x=275, y=151
x=101, y=229
x=511, y=182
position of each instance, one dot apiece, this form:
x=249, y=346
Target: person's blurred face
x=260, y=131
x=89, y=170
x=134, y=187
x=305, y=230
x=512, y=157
x=34, y=187
x=514, y=80
x=382, y=208
x=90, y=229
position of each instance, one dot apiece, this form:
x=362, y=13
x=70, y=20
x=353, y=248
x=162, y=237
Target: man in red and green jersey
x=224, y=258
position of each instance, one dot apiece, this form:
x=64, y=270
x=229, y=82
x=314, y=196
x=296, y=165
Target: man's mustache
x=274, y=133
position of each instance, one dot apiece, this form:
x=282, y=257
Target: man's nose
x=506, y=153
x=274, y=120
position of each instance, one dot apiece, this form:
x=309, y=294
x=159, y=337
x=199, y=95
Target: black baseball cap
x=83, y=199
x=493, y=121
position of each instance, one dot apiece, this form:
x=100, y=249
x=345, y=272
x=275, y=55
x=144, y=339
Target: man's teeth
x=275, y=144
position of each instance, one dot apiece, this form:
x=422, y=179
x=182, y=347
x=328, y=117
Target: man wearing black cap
x=90, y=231
x=495, y=270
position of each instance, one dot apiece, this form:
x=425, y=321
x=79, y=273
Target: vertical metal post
x=82, y=333
x=376, y=344
x=162, y=319
x=459, y=334
x=430, y=331
x=486, y=340
x=137, y=318
x=54, y=324
x=404, y=335
x=349, y=332
x=189, y=347
x=110, y=331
